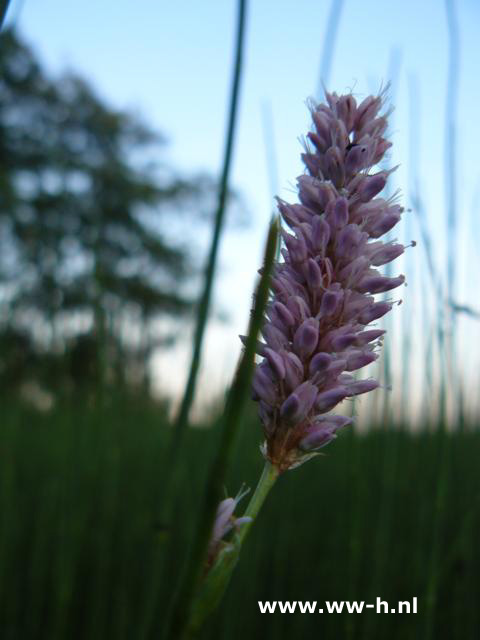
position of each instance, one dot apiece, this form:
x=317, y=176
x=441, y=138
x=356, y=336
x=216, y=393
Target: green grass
x=81, y=552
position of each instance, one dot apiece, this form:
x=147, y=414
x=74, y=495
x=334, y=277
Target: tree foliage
x=86, y=268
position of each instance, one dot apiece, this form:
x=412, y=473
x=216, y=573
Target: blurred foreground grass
x=389, y=514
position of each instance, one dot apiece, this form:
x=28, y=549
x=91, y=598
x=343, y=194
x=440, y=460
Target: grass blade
x=230, y=427
x=188, y=397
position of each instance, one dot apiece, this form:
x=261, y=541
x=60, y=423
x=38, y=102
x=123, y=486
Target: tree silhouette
x=84, y=260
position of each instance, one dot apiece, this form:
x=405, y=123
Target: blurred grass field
x=390, y=513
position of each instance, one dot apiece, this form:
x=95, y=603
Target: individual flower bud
x=353, y=271
x=368, y=336
x=320, y=234
x=357, y=158
x=297, y=248
x=376, y=127
x=298, y=404
x=341, y=137
x=317, y=438
x=323, y=127
x=329, y=399
x=293, y=370
x=377, y=227
x=332, y=421
x=346, y=110
x=276, y=363
x=284, y=314
x=281, y=287
x=308, y=191
x=336, y=367
x=334, y=166
x=340, y=213
x=374, y=312
x=343, y=341
x=380, y=148
x=329, y=376
x=359, y=359
x=320, y=362
x=366, y=111
x=294, y=277
x=354, y=304
x=362, y=212
x=386, y=253
x=371, y=185
x=306, y=338
x=330, y=302
x=313, y=163
x=332, y=100
x=314, y=275
x=349, y=241
x=323, y=431
x=299, y=308
x=326, y=194
x=328, y=271
x=290, y=408
x=327, y=340
x=379, y=284
x=274, y=338
x=288, y=213
x=263, y=386
x=361, y=386
x=320, y=143
x=224, y=522
x=301, y=213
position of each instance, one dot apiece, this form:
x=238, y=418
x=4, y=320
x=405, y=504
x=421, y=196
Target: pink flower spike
x=324, y=285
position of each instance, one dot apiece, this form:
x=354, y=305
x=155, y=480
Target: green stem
x=192, y=579
x=181, y=421
x=216, y=581
x=204, y=304
x=267, y=480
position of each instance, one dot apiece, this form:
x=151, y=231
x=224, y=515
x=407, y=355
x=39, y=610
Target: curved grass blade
x=188, y=397
x=231, y=421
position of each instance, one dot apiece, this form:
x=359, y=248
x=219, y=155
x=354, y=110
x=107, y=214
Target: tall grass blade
x=203, y=307
x=181, y=421
x=270, y=155
x=451, y=169
x=393, y=74
x=270, y=148
x=231, y=422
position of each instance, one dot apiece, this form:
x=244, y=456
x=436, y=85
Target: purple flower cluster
x=315, y=333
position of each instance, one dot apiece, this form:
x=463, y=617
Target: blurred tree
x=86, y=269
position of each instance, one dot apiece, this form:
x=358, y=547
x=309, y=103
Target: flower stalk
x=268, y=478
x=219, y=574
x=184, y=608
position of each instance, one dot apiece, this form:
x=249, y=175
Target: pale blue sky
x=172, y=62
